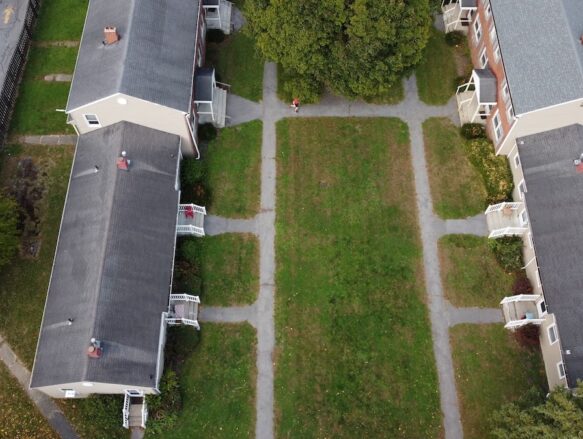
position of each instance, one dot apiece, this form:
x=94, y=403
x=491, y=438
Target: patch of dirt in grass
x=29, y=189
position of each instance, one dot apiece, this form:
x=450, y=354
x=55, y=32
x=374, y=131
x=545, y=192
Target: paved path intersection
x=261, y=314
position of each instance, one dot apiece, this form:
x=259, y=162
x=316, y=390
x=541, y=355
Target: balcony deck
x=222, y=19
x=467, y=103
x=503, y=219
x=219, y=109
x=190, y=220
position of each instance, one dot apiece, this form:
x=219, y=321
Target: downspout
x=192, y=136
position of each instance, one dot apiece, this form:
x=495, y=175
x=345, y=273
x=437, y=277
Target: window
x=493, y=34
x=69, y=393
x=530, y=241
x=523, y=218
x=510, y=113
x=505, y=90
x=538, y=282
x=488, y=10
x=497, y=124
x=92, y=120
x=516, y=160
x=522, y=189
x=477, y=29
x=552, y=331
x=483, y=58
x=497, y=53
x=561, y=369
x=542, y=308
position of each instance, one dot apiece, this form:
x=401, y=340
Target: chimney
x=122, y=162
x=581, y=39
x=94, y=350
x=110, y=35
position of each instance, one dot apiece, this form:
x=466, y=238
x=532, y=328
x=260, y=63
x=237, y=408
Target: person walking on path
x=296, y=104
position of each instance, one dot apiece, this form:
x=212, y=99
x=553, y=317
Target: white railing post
x=126, y=412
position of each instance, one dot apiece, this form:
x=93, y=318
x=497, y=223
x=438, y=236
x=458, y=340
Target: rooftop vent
x=94, y=350
x=578, y=163
x=581, y=39
x=122, y=162
x=110, y=35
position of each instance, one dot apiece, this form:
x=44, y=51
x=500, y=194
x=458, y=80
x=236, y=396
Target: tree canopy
x=8, y=230
x=559, y=416
x=355, y=47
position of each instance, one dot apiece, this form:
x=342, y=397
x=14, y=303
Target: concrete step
x=221, y=110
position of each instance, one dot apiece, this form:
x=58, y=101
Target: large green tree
x=355, y=47
x=556, y=417
x=8, y=230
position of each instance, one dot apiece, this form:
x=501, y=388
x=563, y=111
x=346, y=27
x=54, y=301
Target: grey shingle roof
x=153, y=60
x=114, y=260
x=486, y=86
x=539, y=42
x=555, y=209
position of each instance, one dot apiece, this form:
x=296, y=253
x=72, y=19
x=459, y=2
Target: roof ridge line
x=108, y=207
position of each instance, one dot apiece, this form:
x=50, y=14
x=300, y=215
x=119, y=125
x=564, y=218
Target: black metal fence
x=9, y=89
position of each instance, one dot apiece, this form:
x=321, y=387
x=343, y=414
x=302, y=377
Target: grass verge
x=227, y=265
x=229, y=173
x=238, y=64
x=471, y=274
x=491, y=370
x=19, y=417
x=457, y=189
x=217, y=381
x=355, y=345
x=61, y=20
x=436, y=73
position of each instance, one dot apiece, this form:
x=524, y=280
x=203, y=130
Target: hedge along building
x=140, y=61
x=527, y=88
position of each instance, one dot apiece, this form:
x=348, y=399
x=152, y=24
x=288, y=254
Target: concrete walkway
x=49, y=139
x=475, y=225
x=232, y=314
x=44, y=404
x=473, y=315
x=217, y=225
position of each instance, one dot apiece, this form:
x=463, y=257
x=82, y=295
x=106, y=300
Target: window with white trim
x=505, y=90
x=542, y=308
x=497, y=53
x=522, y=189
x=488, y=9
x=510, y=113
x=530, y=241
x=69, y=393
x=552, y=332
x=497, y=124
x=523, y=217
x=477, y=29
x=493, y=34
x=516, y=160
x=92, y=120
x=538, y=282
x=561, y=369
x=483, y=58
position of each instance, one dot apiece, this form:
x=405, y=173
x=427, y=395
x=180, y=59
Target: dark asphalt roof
x=543, y=58
x=14, y=11
x=153, y=60
x=113, y=266
x=555, y=208
x=203, y=88
x=487, y=86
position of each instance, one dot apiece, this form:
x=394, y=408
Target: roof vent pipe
x=94, y=350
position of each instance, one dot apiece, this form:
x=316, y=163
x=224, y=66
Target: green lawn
x=238, y=64
x=471, y=275
x=96, y=417
x=436, y=73
x=457, y=189
x=355, y=355
x=19, y=418
x=491, y=369
x=24, y=282
x=61, y=20
x=230, y=171
x=46, y=60
x=217, y=382
x=228, y=266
